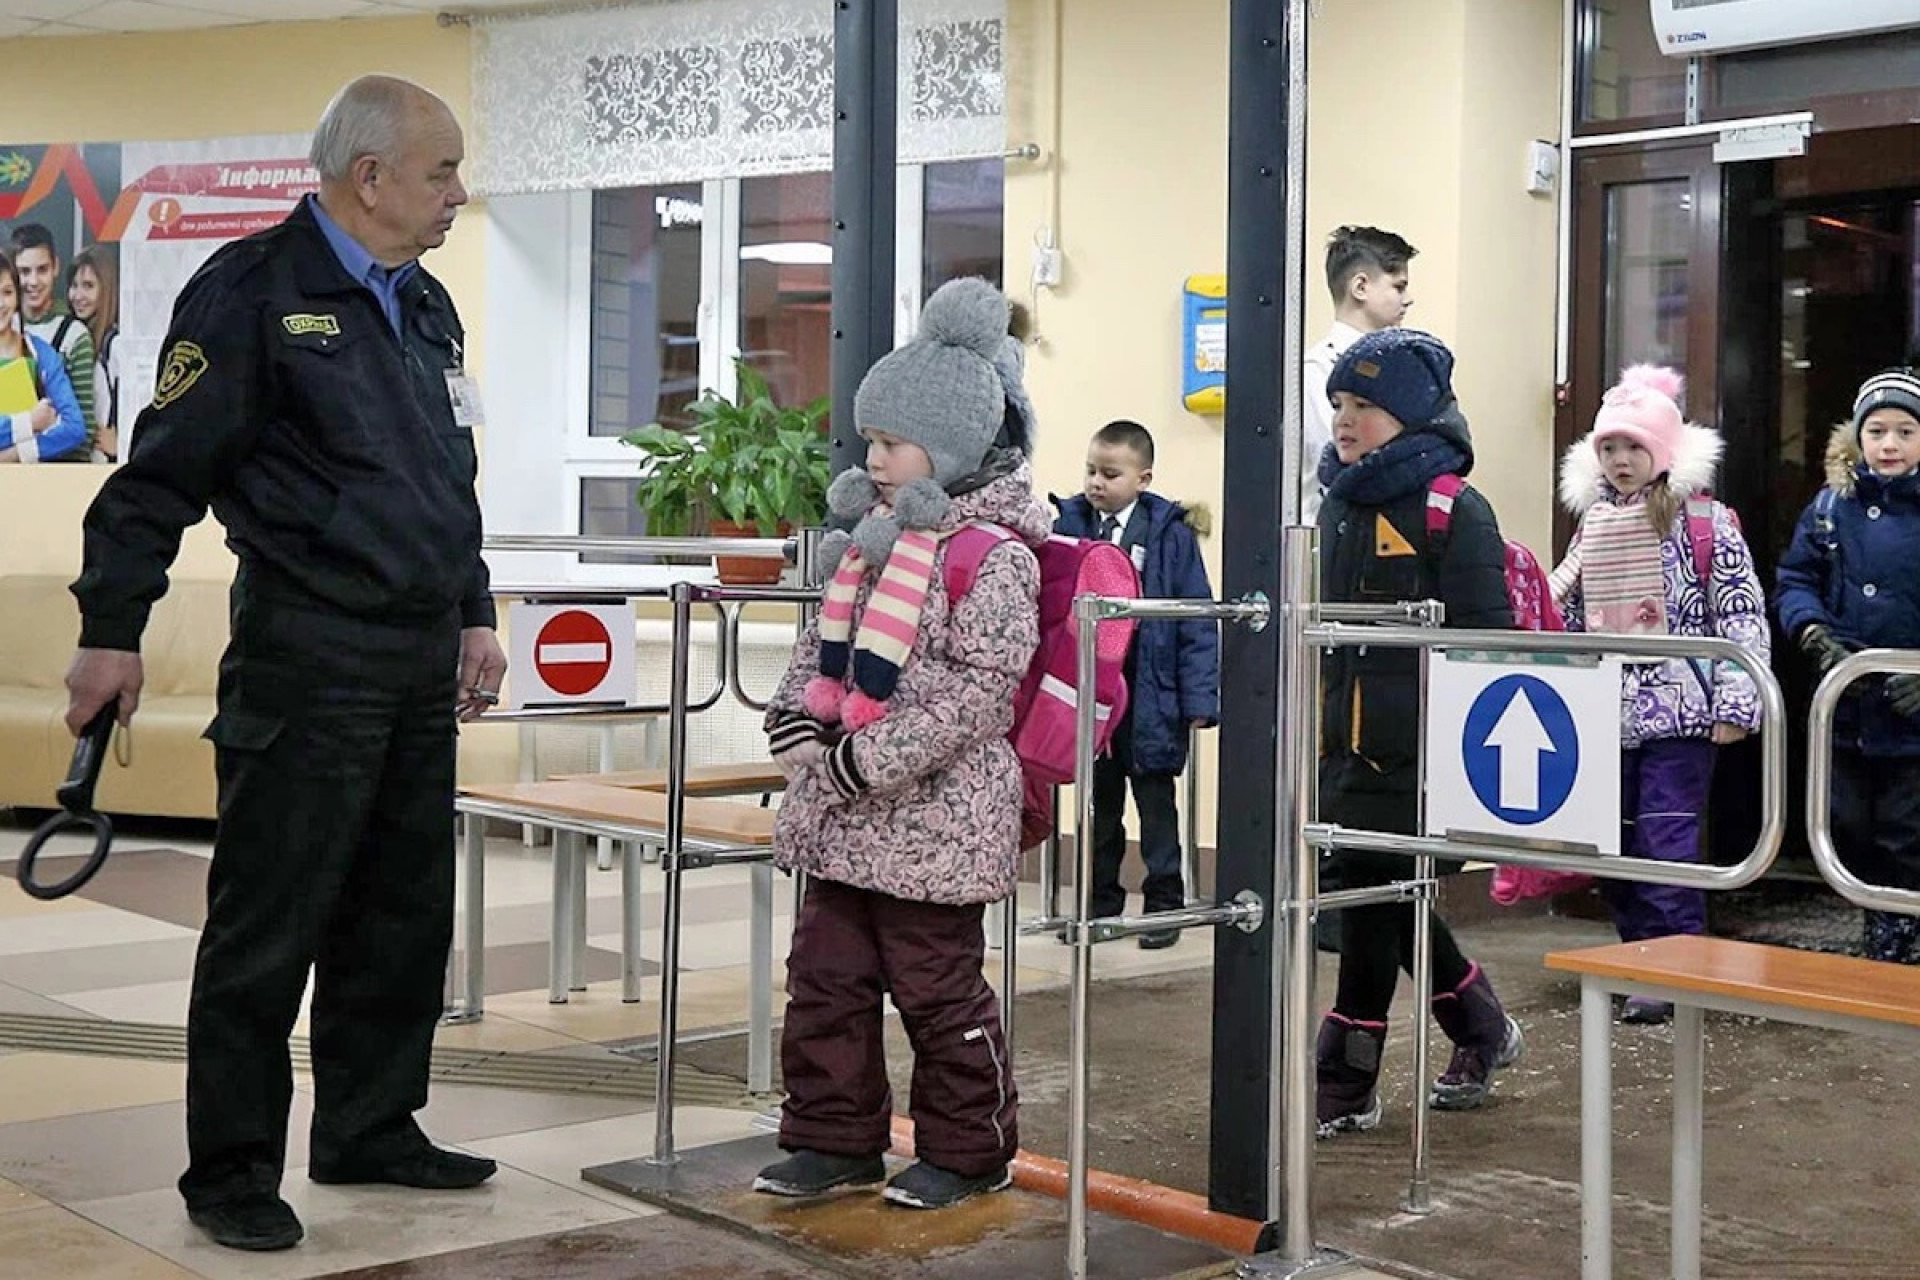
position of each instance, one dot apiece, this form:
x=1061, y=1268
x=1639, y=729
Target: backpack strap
x=1441, y=495
x=967, y=549
x=60, y=332
x=1700, y=536
x=1823, y=530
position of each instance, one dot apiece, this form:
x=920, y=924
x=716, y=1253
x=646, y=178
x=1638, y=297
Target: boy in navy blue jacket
x=1173, y=669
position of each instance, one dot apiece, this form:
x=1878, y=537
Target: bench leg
x=760, y=982
x=1596, y=1132
x=1009, y=959
x=473, y=867
x=1689, y=1079
x=630, y=865
x=577, y=961
x=560, y=925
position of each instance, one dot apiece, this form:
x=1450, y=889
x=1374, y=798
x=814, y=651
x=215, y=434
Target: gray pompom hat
x=955, y=386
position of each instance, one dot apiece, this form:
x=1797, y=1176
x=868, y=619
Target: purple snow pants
x=1663, y=790
x=850, y=947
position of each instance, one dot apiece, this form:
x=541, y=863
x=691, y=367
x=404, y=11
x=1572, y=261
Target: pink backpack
x=1527, y=591
x=1044, y=711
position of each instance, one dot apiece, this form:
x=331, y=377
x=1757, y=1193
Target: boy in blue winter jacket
x=1847, y=583
x=1173, y=669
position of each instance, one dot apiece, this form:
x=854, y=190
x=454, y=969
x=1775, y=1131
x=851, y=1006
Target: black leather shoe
x=429, y=1168
x=1159, y=939
x=260, y=1222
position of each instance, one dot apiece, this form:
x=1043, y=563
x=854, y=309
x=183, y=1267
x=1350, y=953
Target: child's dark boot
x=814, y=1173
x=1484, y=1039
x=1348, y=1069
x=1891, y=937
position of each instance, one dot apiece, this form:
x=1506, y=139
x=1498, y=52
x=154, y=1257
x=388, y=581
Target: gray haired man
x=312, y=394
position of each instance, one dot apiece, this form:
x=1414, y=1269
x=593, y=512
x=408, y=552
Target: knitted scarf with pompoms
x=886, y=635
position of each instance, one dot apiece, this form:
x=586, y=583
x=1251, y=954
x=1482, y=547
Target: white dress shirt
x=1316, y=412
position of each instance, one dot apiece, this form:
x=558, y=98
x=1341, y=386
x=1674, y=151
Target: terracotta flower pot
x=748, y=570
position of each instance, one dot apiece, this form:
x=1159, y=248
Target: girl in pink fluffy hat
x=1655, y=555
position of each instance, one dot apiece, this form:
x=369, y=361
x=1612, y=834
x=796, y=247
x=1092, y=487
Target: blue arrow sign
x=1521, y=749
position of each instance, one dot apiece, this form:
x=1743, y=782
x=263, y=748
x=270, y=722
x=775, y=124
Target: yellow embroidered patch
x=182, y=368
x=300, y=324
x=1387, y=540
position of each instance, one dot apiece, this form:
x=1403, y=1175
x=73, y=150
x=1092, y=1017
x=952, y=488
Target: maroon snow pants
x=850, y=948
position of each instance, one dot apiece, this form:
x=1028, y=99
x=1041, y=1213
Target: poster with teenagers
x=56, y=222
x=185, y=200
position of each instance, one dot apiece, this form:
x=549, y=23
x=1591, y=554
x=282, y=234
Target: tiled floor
x=90, y=1145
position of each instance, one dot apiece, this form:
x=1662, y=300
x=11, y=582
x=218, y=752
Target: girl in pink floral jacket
x=903, y=800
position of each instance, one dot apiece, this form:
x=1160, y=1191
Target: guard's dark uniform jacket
x=280, y=403
x=327, y=445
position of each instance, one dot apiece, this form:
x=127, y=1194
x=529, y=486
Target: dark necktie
x=1107, y=525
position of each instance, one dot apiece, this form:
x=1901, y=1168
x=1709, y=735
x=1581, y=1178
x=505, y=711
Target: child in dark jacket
x=903, y=792
x=1847, y=583
x=1396, y=429
x=1173, y=669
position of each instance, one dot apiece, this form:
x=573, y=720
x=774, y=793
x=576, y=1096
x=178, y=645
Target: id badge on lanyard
x=463, y=392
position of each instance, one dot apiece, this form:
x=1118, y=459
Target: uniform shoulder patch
x=299, y=324
x=182, y=368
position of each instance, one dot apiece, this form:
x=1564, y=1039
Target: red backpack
x=1045, y=709
x=1527, y=591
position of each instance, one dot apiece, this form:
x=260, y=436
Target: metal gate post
x=865, y=108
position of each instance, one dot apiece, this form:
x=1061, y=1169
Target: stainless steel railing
x=1310, y=628
x=1245, y=912
x=1826, y=703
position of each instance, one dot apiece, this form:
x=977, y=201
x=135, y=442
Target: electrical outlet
x=1046, y=266
x=1543, y=167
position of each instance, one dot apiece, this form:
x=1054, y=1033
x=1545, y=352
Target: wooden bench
x=1837, y=992
x=575, y=810
x=751, y=778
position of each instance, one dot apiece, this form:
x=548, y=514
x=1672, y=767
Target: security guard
x=312, y=393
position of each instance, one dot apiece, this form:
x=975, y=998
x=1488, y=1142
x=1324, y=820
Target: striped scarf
x=887, y=630
x=1622, y=578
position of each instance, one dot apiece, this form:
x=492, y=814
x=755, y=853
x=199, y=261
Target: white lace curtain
x=685, y=90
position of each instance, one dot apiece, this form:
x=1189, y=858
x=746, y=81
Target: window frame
x=586, y=456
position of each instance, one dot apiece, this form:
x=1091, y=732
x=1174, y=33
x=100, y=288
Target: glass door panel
x=786, y=282
x=645, y=364
x=1649, y=231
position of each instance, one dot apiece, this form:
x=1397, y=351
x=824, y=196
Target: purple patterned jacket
x=939, y=819
x=1682, y=698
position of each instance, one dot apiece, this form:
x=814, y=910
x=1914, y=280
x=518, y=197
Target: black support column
x=865, y=97
x=1240, y=1164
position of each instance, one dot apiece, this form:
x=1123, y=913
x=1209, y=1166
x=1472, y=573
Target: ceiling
x=92, y=17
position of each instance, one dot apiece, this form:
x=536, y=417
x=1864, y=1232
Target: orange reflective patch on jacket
x=1388, y=542
x=1353, y=730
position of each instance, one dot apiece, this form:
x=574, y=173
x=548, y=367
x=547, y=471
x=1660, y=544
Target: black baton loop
x=76, y=812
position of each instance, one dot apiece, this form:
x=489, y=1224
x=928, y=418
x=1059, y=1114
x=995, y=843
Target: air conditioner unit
x=1688, y=27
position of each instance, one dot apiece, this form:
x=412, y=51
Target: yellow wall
x=1506, y=253
x=228, y=81
x=1409, y=127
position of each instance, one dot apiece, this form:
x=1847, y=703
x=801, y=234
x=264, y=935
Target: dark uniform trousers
x=334, y=744
x=1376, y=941
x=851, y=947
x=1163, y=888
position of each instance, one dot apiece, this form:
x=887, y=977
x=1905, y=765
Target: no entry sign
x=571, y=653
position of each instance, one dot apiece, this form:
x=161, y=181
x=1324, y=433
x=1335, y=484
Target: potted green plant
x=745, y=466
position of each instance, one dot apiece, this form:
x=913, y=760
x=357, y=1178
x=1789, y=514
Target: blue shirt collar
x=382, y=282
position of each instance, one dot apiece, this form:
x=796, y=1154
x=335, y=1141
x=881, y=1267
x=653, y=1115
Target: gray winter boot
x=1348, y=1058
x=1484, y=1039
